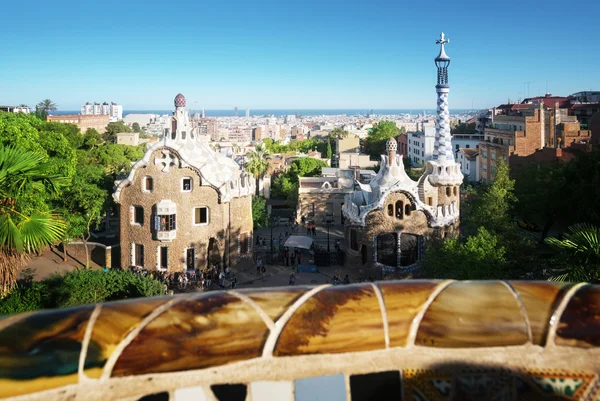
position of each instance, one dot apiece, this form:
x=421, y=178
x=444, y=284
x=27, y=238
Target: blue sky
x=300, y=54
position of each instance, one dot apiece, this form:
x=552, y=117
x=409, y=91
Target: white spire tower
x=442, y=169
x=443, y=141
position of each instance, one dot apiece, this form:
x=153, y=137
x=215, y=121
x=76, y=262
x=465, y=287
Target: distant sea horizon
x=287, y=112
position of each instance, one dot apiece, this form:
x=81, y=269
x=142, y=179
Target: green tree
x=114, y=128
x=43, y=108
x=259, y=211
x=337, y=132
x=285, y=185
x=24, y=229
x=478, y=257
x=92, y=139
x=329, y=151
x=136, y=127
x=378, y=136
x=581, y=247
x=257, y=164
x=79, y=288
x=495, y=206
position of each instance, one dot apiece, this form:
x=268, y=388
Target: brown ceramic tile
x=473, y=314
x=579, y=325
x=275, y=301
x=335, y=320
x=115, y=321
x=42, y=351
x=539, y=300
x=403, y=301
x=211, y=330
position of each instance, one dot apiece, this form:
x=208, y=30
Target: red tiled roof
x=586, y=106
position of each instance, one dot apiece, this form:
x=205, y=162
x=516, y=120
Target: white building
x=420, y=145
x=467, y=141
x=113, y=110
x=15, y=109
x=467, y=158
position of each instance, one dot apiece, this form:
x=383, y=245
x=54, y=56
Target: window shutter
x=156, y=222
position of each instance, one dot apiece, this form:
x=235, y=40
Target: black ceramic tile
x=156, y=397
x=229, y=392
x=382, y=386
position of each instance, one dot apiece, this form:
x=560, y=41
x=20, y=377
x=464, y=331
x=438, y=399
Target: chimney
x=391, y=147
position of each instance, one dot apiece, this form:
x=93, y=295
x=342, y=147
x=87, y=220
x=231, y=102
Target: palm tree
x=23, y=232
x=44, y=107
x=257, y=164
x=582, y=245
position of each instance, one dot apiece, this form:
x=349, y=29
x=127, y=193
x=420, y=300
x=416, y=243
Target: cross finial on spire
x=442, y=40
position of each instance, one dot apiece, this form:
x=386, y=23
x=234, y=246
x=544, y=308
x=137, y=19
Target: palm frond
x=10, y=235
x=575, y=275
x=40, y=230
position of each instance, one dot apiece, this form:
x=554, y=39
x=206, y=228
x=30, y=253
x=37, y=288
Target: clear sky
x=293, y=54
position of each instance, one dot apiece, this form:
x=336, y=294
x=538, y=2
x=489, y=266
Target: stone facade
x=84, y=122
x=184, y=206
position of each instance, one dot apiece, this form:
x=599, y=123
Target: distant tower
x=443, y=172
x=235, y=111
x=443, y=141
x=203, y=113
x=247, y=113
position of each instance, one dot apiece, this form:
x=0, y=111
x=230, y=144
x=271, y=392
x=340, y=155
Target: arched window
x=399, y=210
x=387, y=249
x=407, y=209
x=455, y=191
x=391, y=210
x=448, y=193
x=183, y=133
x=173, y=134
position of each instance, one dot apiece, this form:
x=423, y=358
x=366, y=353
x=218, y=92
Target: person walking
x=286, y=256
x=259, y=265
x=346, y=279
x=263, y=270
x=299, y=258
x=292, y=279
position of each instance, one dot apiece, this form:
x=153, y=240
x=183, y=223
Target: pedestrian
x=292, y=279
x=314, y=229
x=299, y=258
x=308, y=226
x=227, y=271
x=259, y=265
x=346, y=279
x=286, y=255
x=233, y=282
x=303, y=220
x=293, y=258
x=263, y=270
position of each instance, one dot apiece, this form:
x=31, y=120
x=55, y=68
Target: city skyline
x=339, y=55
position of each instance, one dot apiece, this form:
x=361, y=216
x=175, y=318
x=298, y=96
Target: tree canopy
x=378, y=135
x=285, y=185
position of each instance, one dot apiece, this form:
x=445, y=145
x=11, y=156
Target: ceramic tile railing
x=404, y=340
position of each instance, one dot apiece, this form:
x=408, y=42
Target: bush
x=79, y=288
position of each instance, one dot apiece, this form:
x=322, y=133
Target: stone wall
x=379, y=222
x=320, y=200
x=100, y=255
x=167, y=186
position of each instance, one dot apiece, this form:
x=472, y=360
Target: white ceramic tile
x=190, y=394
x=271, y=391
x=321, y=388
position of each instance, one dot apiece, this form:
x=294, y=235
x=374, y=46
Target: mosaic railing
x=403, y=340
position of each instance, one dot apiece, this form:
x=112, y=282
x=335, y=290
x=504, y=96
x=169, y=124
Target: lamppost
x=327, y=222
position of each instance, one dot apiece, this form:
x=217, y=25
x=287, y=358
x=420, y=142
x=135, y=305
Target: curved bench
x=431, y=340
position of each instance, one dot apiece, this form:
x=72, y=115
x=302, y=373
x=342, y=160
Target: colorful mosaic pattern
x=208, y=332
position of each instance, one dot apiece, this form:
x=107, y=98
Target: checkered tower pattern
x=443, y=140
x=180, y=100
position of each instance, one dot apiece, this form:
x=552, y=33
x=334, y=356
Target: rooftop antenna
x=528, y=83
